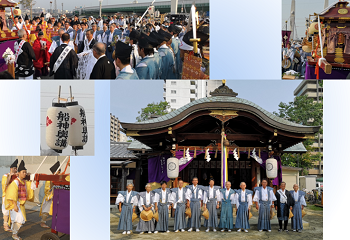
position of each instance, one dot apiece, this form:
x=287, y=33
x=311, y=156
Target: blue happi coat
x=146, y=69
x=175, y=45
x=180, y=218
x=110, y=49
x=226, y=216
x=168, y=63
x=128, y=76
x=163, y=211
x=264, y=210
x=125, y=220
x=242, y=218
x=158, y=63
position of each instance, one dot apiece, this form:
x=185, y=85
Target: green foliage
x=27, y=4
x=306, y=112
x=159, y=109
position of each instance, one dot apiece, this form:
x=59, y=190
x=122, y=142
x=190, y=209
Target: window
x=193, y=83
x=192, y=99
x=173, y=91
x=173, y=83
x=192, y=91
x=173, y=100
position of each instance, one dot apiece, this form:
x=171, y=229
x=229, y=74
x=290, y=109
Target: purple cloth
x=60, y=211
x=288, y=35
x=336, y=74
x=157, y=165
x=3, y=46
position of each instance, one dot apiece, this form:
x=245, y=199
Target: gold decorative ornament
x=3, y=35
x=132, y=133
x=13, y=34
x=68, y=178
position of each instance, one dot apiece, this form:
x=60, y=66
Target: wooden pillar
x=11, y=69
x=138, y=175
x=123, y=187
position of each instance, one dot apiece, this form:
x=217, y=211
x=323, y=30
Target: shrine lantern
x=313, y=28
x=172, y=167
x=17, y=11
x=271, y=167
x=57, y=126
x=78, y=135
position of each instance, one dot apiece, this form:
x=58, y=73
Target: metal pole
x=318, y=135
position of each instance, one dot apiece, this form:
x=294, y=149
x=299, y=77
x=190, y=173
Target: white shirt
x=101, y=37
x=120, y=198
x=302, y=199
x=242, y=196
x=195, y=189
x=264, y=195
x=289, y=53
x=127, y=69
x=148, y=198
x=173, y=197
x=282, y=198
x=296, y=195
x=54, y=45
x=210, y=194
x=248, y=200
x=110, y=39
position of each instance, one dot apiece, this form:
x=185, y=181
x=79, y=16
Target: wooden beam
x=215, y=136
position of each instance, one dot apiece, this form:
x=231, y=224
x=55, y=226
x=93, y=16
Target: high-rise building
x=181, y=92
x=116, y=134
x=310, y=89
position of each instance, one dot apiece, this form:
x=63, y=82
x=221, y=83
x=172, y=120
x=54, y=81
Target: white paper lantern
x=57, y=126
x=78, y=135
x=172, y=167
x=271, y=168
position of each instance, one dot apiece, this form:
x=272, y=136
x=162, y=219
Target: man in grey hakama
x=264, y=198
x=127, y=201
x=210, y=202
x=243, y=200
x=162, y=205
x=299, y=203
x=194, y=196
x=146, y=202
x=178, y=198
x=227, y=200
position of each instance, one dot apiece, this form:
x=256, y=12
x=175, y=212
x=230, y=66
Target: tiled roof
x=136, y=145
x=119, y=150
x=220, y=99
x=297, y=148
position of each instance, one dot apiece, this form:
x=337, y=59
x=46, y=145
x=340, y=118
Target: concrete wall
x=290, y=177
x=32, y=163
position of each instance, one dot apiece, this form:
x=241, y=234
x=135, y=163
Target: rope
x=62, y=164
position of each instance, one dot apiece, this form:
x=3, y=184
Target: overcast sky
x=302, y=10
x=128, y=97
x=70, y=5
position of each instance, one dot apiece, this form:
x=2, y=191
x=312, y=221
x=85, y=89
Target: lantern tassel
x=216, y=153
x=239, y=153
x=184, y=153
x=195, y=153
x=259, y=153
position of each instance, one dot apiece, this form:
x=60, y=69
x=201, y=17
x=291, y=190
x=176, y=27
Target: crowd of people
x=294, y=58
x=188, y=201
x=16, y=192
x=115, y=48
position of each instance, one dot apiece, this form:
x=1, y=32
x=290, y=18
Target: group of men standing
x=296, y=56
x=188, y=201
x=16, y=191
x=118, y=48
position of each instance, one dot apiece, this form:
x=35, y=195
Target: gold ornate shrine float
x=328, y=40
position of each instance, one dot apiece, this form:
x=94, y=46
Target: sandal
x=7, y=229
x=43, y=225
x=16, y=238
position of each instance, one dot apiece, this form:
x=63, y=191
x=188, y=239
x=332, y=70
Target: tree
x=28, y=4
x=307, y=112
x=158, y=109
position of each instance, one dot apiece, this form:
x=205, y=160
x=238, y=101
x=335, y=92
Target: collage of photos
x=171, y=134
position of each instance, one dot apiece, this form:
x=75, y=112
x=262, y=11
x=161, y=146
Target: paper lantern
x=313, y=28
x=172, y=167
x=57, y=126
x=17, y=11
x=271, y=168
x=78, y=135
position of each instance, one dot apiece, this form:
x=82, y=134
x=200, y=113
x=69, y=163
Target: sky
x=84, y=93
x=70, y=5
x=128, y=97
x=302, y=10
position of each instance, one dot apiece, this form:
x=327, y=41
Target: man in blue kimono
x=194, y=195
x=146, y=69
x=127, y=201
x=109, y=38
x=122, y=60
x=175, y=45
x=162, y=205
x=135, y=57
x=146, y=202
x=156, y=41
x=167, y=55
x=264, y=198
x=243, y=201
x=299, y=204
x=210, y=202
x=178, y=199
x=226, y=198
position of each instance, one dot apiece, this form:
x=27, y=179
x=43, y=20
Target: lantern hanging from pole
x=271, y=167
x=78, y=135
x=57, y=126
x=172, y=167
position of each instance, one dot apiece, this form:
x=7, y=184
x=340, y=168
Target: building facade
x=181, y=92
x=116, y=135
x=311, y=89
